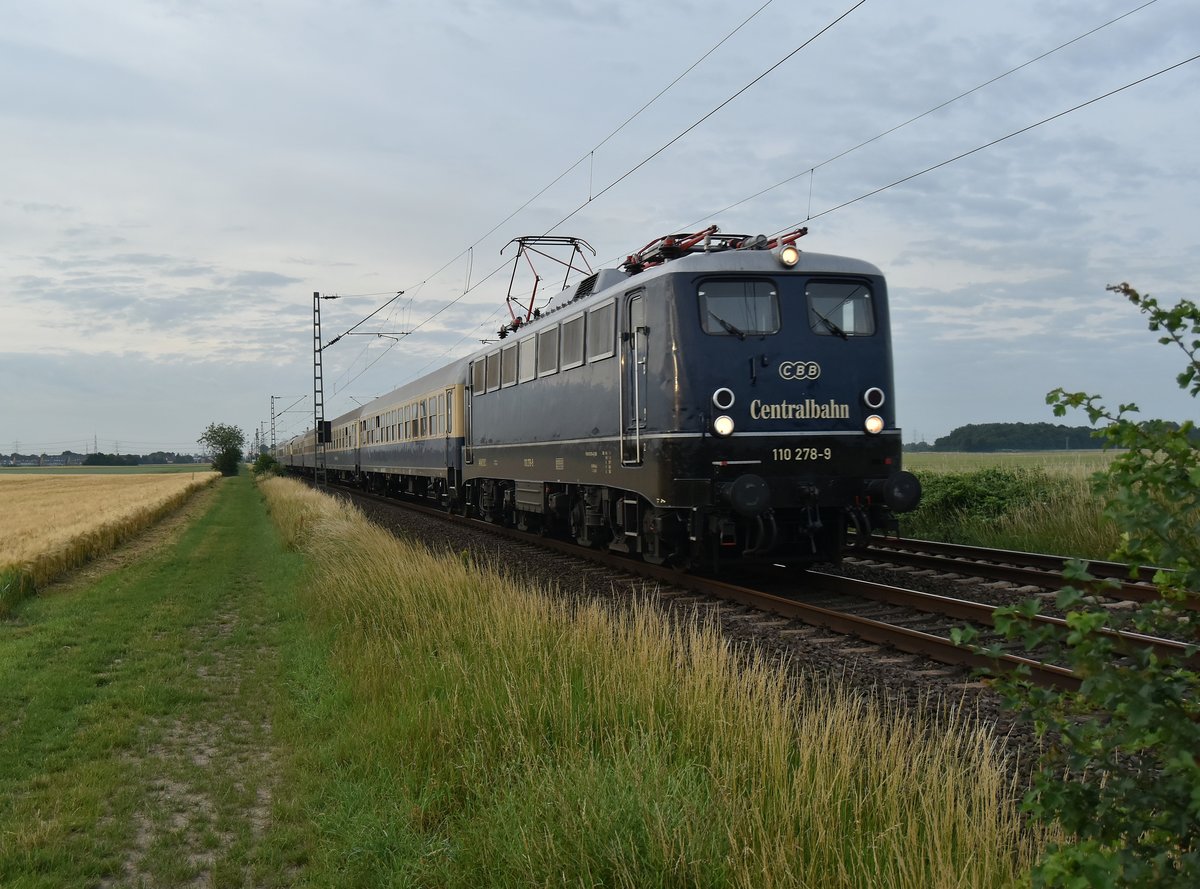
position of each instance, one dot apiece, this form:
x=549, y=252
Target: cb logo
x=799, y=370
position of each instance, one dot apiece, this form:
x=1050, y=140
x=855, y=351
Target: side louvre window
x=508, y=365
x=600, y=328
x=527, y=359
x=571, y=344
x=548, y=352
x=493, y=372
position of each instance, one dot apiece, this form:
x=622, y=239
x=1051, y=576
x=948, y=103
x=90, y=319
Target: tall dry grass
x=52, y=524
x=530, y=742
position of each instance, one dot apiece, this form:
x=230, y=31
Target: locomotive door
x=633, y=380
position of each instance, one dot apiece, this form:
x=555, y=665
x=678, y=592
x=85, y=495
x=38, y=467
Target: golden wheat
x=50, y=524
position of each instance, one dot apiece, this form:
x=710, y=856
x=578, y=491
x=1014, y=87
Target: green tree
x=225, y=444
x=1120, y=773
x=265, y=465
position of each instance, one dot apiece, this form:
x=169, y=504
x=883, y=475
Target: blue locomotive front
x=707, y=403
x=787, y=378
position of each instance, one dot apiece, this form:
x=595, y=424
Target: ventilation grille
x=586, y=286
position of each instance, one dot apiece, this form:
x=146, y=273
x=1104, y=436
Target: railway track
x=911, y=621
x=1032, y=569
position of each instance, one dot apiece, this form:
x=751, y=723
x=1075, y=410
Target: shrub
x=1122, y=777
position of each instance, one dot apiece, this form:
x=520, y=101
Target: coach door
x=474, y=384
x=448, y=426
x=633, y=380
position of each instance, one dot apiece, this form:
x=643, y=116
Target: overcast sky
x=179, y=177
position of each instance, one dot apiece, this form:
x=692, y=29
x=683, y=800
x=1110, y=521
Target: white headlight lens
x=789, y=255
x=723, y=425
x=874, y=424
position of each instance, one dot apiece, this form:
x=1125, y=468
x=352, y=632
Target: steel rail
x=979, y=612
x=1035, y=569
x=1045, y=561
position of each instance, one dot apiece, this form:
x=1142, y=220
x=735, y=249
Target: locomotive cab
x=764, y=403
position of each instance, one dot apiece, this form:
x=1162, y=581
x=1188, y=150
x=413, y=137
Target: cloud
x=262, y=279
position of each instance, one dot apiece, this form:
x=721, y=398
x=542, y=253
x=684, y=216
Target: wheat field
x=50, y=524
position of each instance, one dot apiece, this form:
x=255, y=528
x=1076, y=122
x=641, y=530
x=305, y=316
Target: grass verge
x=137, y=715
x=474, y=733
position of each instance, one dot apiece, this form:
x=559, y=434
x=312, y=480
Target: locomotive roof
x=715, y=262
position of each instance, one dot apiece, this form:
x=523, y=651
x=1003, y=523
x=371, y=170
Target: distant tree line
x=1017, y=437
x=154, y=458
x=71, y=458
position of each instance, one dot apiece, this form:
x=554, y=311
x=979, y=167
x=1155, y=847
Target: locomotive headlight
x=873, y=398
x=874, y=424
x=722, y=399
x=723, y=425
x=789, y=255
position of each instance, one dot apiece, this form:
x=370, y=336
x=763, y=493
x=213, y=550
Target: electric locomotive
x=718, y=398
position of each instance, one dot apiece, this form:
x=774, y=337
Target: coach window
x=449, y=411
x=840, y=308
x=493, y=372
x=571, y=344
x=600, y=327
x=443, y=417
x=423, y=410
x=527, y=359
x=547, y=360
x=508, y=366
x=478, y=381
x=739, y=307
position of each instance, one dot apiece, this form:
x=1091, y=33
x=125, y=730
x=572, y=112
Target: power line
x=557, y=179
x=986, y=145
x=959, y=156
x=923, y=114
x=839, y=155
x=636, y=167
x=603, y=141
x=705, y=117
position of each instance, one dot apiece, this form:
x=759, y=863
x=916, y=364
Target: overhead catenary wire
x=641, y=163
x=706, y=116
x=691, y=226
x=883, y=134
x=995, y=142
x=841, y=154
x=588, y=156
x=948, y=161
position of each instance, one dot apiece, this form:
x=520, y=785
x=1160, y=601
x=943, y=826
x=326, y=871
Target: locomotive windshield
x=840, y=308
x=739, y=307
